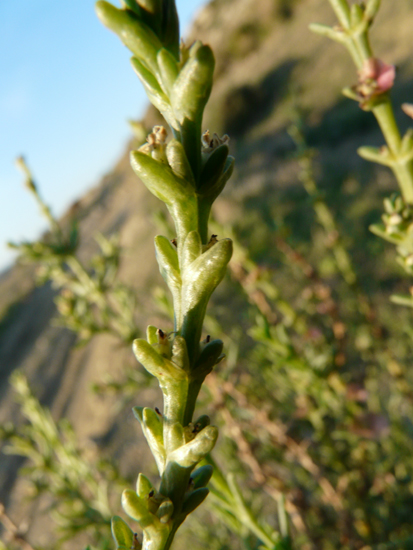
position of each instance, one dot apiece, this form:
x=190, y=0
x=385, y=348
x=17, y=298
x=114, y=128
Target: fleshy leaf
x=135, y=507
x=152, y=428
x=167, y=257
x=154, y=363
x=134, y=34
x=175, y=437
x=170, y=28
x=165, y=511
x=202, y=475
x=178, y=161
x=190, y=454
x=200, y=279
x=168, y=69
x=373, y=154
x=121, y=532
x=153, y=90
x=194, y=499
x=151, y=335
x=180, y=353
x=176, y=193
x=192, y=88
x=208, y=358
x=143, y=486
x=155, y=532
x=213, y=168
x=152, y=14
x=192, y=248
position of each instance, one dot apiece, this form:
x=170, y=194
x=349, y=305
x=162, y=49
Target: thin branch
x=14, y=533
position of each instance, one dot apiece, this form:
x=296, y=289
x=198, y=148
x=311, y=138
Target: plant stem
x=358, y=45
x=385, y=117
x=403, y=171
x=404, y=175
x=342, y=11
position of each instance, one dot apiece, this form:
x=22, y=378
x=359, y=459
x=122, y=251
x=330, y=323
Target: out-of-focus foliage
x=91, y=299
x=79, y=487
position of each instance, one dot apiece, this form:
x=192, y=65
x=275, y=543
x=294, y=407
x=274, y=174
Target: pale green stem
x=251, y=522
x=403, y=171
x=354, y=52
x=342, y=11
x=193, y=391
x=245, y=515
x=175, y=396
x=404, y=175
x=282, y=516
x=171, y=536
x=359, y=48
x=362, y=43
x=388, y=125
x=45, y=210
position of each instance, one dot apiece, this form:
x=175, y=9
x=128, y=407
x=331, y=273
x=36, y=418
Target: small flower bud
x=155, y=146
x=375, y=78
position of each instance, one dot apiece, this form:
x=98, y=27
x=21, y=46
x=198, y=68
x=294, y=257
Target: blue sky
x=66, y=92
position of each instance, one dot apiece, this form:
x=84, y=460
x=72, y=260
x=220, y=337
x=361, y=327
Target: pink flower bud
x=375, y=77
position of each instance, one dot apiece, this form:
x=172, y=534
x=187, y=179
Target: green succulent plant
x=187, y=173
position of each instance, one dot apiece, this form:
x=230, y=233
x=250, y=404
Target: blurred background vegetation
x=314, y=400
